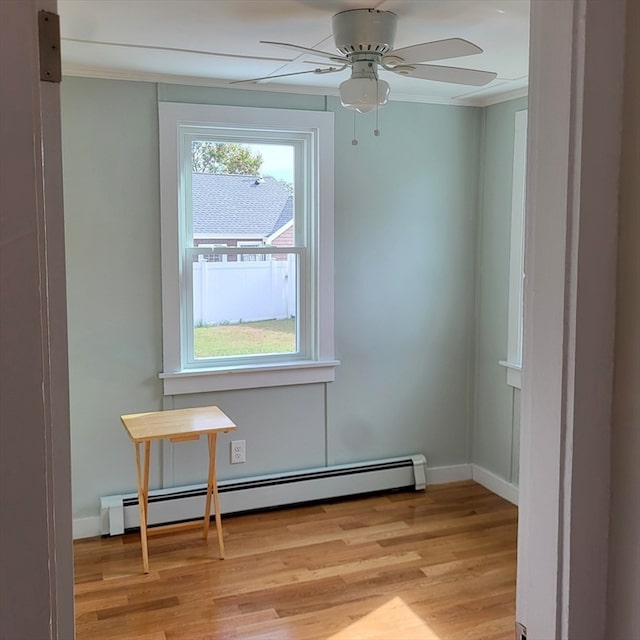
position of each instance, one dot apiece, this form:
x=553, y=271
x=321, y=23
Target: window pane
x=245, y=307
x=244, y=304
x=242, y=194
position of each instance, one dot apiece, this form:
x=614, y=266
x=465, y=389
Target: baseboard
x=496, y=484
x=93, y=526
x=453, y=473
x=86, y=527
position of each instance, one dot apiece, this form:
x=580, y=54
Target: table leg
x=142, y=476
x=212, y=490
x=147, y=457
x=210, y=476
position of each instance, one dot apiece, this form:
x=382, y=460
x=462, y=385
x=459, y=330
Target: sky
x=277, y=160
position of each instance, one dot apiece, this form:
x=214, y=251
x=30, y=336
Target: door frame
x=36, y=591
x=575, y=113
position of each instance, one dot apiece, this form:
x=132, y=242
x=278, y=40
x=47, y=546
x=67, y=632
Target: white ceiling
x=213, y=42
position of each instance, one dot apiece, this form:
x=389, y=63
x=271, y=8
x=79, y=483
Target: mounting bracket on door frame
x=49, y=40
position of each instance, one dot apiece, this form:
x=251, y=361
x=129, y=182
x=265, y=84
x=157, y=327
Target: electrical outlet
x=238, y=451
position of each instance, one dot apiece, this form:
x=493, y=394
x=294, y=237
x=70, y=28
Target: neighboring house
x=237, y=211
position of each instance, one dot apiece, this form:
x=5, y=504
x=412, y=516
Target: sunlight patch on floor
x=393, y=619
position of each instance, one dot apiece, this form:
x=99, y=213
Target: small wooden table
x=177, y=425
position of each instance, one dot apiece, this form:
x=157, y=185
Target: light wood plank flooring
x=438, y=564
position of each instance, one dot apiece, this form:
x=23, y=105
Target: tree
x=224, y=157
x=287, y=185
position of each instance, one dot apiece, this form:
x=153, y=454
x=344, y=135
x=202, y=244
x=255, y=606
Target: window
x=513, y=363
x=247, y=260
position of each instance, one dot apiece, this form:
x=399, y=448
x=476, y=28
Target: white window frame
x=513, y=363
x=316, y=363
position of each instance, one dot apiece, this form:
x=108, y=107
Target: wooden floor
x=438, y=564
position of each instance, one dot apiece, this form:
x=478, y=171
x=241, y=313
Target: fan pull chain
x=354, y=142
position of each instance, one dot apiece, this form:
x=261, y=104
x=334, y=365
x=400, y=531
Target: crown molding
x=487, y=101
x=104, y=73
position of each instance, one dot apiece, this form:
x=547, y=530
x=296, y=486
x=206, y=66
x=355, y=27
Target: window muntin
x=306, y=243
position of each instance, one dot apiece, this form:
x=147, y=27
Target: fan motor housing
x=364, y=30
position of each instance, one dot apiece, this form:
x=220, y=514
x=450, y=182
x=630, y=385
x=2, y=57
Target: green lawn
x=246, y=338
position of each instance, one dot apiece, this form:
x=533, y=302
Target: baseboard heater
x=119, y=513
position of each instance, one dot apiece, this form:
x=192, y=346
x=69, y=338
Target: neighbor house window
x=513, y=363
x=247, y=247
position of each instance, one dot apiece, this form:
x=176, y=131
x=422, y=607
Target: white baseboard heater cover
x=119, y=513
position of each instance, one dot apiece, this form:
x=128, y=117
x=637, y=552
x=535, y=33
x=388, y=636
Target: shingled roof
x=231, y=204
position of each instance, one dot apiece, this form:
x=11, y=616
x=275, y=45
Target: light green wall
x=405, y=207
x=112, y=235
x=405, y=230
x=496, y=421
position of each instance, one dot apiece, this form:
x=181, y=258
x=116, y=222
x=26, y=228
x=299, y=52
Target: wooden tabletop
x=156, y=425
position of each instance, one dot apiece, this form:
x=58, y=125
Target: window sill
x=514, y=373
x=249, y=377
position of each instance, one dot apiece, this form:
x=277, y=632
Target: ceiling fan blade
x=295, y=47
x=438, y=50
x=318, y=71
x=455, y=75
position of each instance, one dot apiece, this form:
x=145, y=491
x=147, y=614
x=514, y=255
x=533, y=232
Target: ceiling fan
x=364, y=39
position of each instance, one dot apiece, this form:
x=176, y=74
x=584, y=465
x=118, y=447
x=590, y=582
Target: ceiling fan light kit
x=364, y=94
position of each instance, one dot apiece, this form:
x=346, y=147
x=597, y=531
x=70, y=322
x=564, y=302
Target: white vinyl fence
x=231, y=292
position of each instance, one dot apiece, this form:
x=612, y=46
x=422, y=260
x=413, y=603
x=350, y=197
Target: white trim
x=312, y=133
x=86, y=71
x=251, y=377
x=514, y=377
x=538, y=597
x=572, y=194
x=86, y=527
x=507, y=96
x=278, y=232
x=495, y=483
x=516, y=255
x=514, y=373
x=452, y=473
